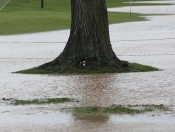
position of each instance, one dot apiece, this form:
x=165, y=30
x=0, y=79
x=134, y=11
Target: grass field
x=26, y=16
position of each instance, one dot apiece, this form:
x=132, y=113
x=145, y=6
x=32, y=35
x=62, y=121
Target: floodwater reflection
x=92, y=118
x=92, y=89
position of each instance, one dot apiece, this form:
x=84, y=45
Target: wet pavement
x=151, y=42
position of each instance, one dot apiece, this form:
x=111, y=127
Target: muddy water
x=154, y=46
x=53, y=120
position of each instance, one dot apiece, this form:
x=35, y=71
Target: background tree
x=89, y=37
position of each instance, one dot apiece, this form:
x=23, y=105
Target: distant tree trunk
x=89, y=37
x=42, y=3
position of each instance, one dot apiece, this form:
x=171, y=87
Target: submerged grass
x=116, y=110
x=42, y=101
x=105, y=110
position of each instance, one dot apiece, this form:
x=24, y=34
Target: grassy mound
x=130, y=67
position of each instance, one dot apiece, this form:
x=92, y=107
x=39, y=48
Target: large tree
x=89, y=38
x=89, y=42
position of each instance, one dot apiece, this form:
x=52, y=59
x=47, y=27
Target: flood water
x=151, y=43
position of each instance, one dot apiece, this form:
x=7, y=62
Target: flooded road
x=151, y=43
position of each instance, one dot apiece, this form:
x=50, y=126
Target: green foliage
x=42, y=101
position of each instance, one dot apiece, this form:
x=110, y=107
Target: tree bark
x=89, y=37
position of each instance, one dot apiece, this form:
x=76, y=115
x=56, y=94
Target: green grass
x=28, y=22
x=132, y=67
x=26, y=16
x=42, y=101
x=116, y=110
x=135, y=67
x=121, y=17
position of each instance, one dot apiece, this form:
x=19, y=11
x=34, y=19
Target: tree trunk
x=89, y=37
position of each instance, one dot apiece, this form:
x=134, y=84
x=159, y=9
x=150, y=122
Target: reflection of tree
x=94, y=89
x=92, y=118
